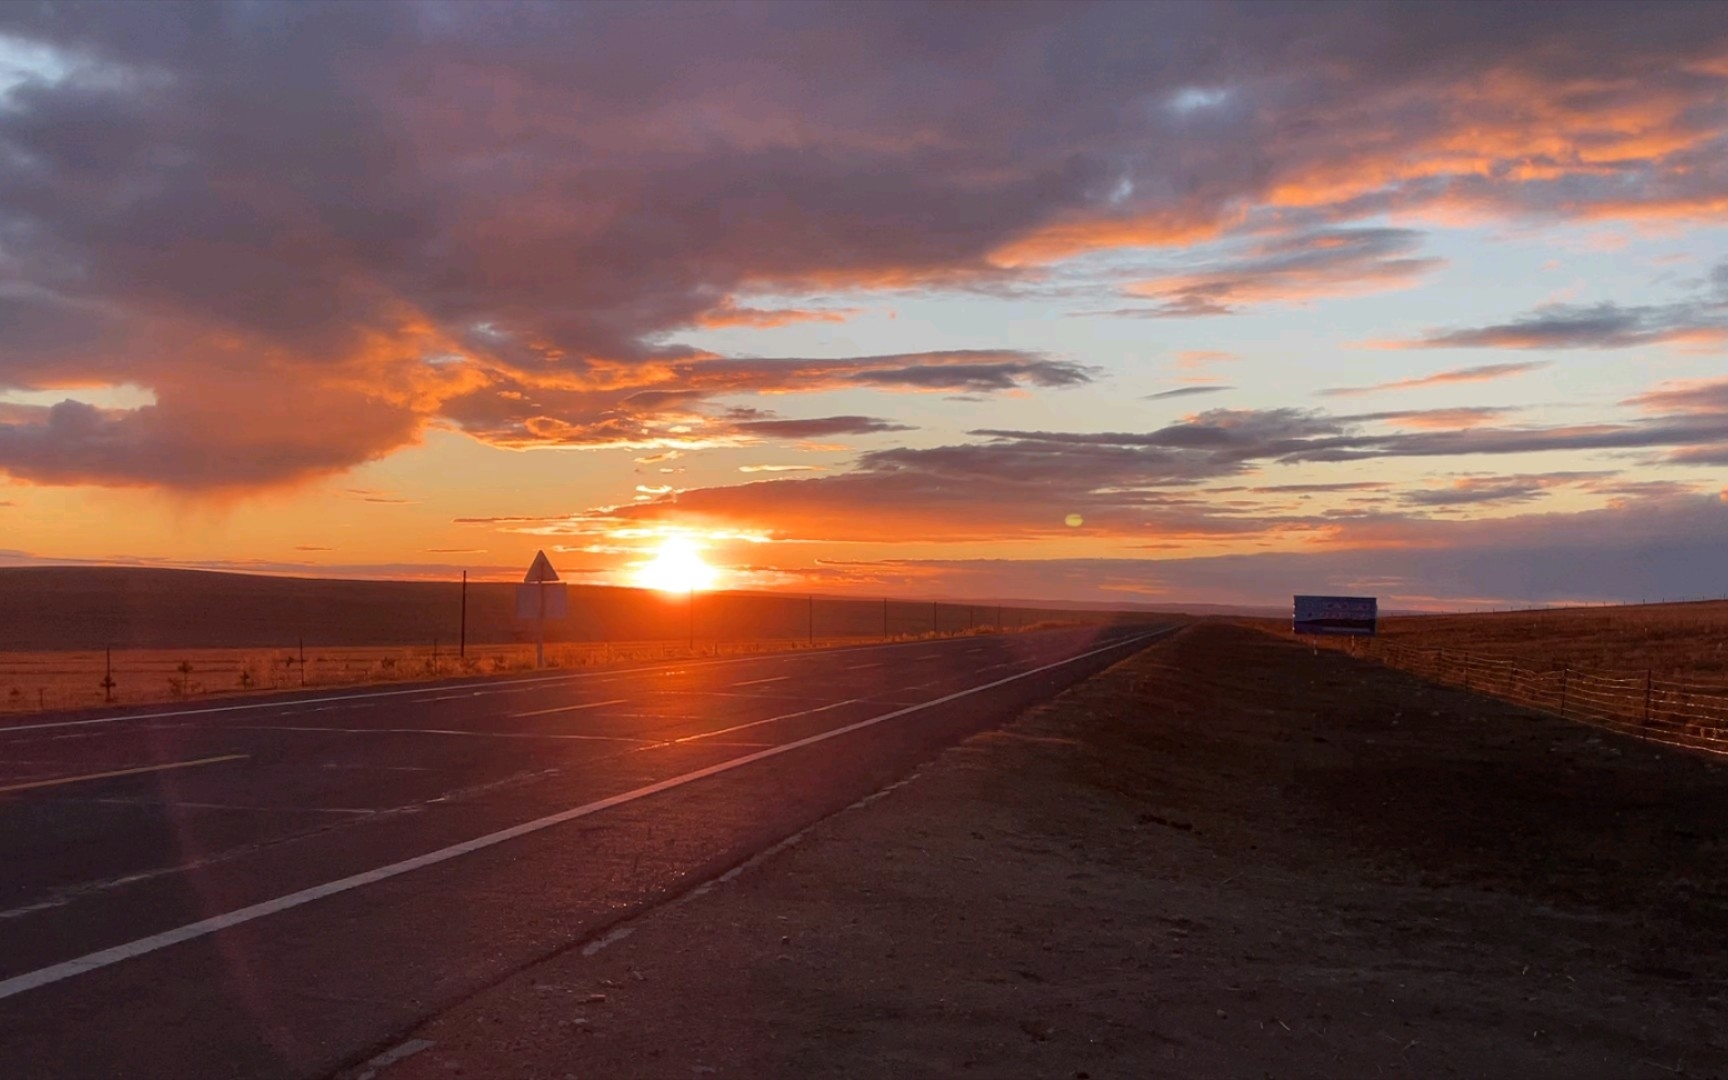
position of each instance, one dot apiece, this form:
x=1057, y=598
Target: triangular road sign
x=541, y=570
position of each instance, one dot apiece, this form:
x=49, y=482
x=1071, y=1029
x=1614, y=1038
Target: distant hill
x=80, y=607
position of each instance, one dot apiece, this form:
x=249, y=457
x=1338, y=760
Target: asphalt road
x=279, y=887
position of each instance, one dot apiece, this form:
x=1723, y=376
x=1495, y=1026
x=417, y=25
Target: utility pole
x=462, y=644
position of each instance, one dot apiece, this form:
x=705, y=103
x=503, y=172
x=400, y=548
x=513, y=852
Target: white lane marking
x=612, y=937
x=769, y=720
x=380, y=768
x=860, y=667
x=153, y=804
x=569, y=708
x=393, y=1055
x=759, y=682
x=143, y=946
x=437, y=731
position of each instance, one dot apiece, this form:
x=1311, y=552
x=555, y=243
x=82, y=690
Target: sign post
x=534, y=600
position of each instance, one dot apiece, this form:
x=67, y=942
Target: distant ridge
x=46, y=608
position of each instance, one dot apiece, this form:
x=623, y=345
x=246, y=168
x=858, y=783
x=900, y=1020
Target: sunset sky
x=1143, y=303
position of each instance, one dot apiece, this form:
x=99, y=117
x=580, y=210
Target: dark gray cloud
x=1647, y=549
x=464, y=208
x=1187, y=391
x=1283, y=269
x=821, y=427
x=1502, y=490
x=1594, y=326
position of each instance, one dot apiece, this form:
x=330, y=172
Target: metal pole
x=1565, y=674
x=302, y=660
x=884, y=618
x=935, y=620
x=108, y=674
x=690, y=611
x=1647, y=682
x=812, y=627
x=540, y=626
x=462, y=645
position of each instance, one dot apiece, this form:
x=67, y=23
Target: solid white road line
x=759, y=682
x=54, y=973
x=569, y=708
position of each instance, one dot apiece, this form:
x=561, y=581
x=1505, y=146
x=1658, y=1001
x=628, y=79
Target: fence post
x=108, y=674
x=884, y=618
x=1647, y=688
x=302, y=660
x=812, y=623
x=1565, y=675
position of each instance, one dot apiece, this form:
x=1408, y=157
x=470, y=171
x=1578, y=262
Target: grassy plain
x=1677, y=641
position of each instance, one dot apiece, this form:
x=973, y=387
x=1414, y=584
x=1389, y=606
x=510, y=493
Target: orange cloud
x=1481, y=373
x=730, y=314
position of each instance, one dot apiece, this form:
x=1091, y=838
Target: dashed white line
x=769, y=720
x=570, y=708
x=759, y=682
x=441, y=731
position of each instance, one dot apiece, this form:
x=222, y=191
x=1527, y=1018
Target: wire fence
x=1638, y=703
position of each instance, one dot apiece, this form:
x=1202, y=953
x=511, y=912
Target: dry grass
x=1678, y=641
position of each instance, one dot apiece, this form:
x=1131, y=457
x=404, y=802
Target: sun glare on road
x=677, y=567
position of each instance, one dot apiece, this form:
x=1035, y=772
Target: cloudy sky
x=1147, y=302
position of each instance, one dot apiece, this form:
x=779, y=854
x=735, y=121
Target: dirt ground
x=1225, y=857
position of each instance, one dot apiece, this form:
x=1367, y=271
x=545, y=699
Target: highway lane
x=293, y=880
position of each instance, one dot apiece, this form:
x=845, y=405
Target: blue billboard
x=1335, y=615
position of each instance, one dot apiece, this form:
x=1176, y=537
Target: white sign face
x=1334, y=614
x=530, y=597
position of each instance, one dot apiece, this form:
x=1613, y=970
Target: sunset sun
x=677, y=566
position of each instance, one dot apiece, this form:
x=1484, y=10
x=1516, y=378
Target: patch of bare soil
x=1225, y=857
